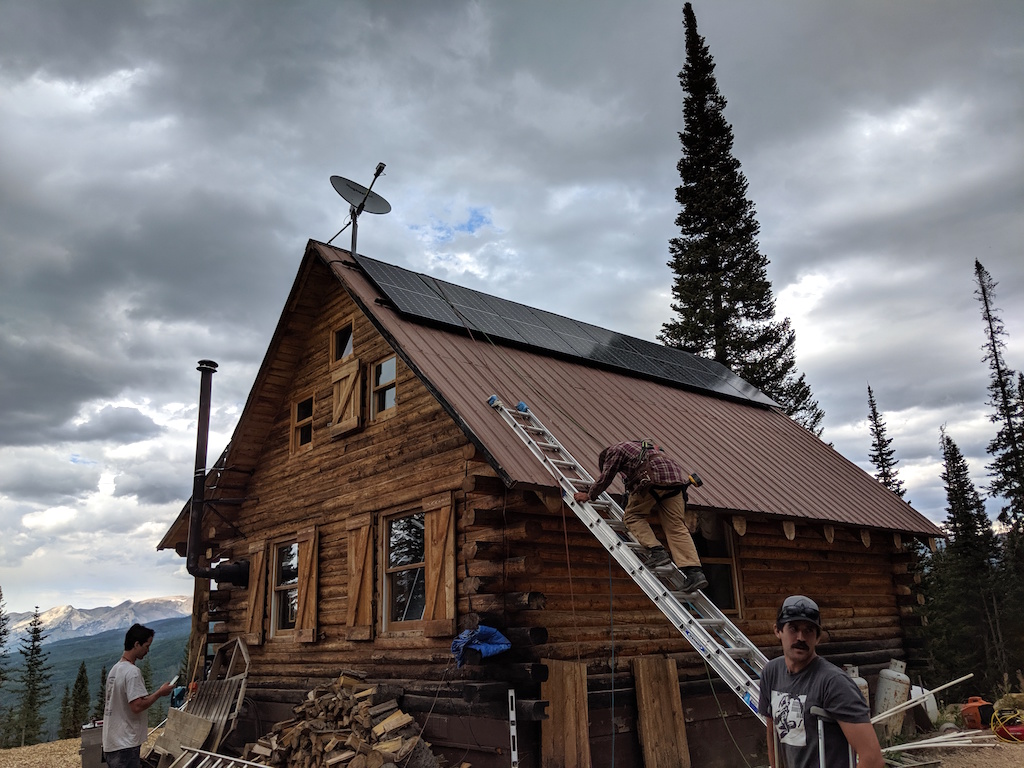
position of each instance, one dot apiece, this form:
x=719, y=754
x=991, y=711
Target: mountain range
x=65, y=622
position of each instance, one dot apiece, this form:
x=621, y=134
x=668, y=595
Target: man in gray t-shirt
x=800, y=679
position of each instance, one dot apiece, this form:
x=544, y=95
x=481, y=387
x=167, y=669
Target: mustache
x=800, y=644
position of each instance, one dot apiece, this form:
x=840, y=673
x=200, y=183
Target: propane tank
x=854, y=672
x=893, y=689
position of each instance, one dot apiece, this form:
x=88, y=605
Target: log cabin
x=381, y=507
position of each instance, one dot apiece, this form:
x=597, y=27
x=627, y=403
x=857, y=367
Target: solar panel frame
x=437, y=301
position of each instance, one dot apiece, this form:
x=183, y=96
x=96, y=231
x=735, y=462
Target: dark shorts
x=123, y=758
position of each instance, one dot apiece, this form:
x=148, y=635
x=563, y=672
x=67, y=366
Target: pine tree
x=5, y=635
x=156, y=712
x=101, y=696
x=1007, y=447
x=966, y=609
x=80, y=700
x=721, y=293
x=882, y=454
x=65, y=730
x=33, y=683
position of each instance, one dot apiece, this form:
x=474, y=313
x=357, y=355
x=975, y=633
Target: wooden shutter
x=439, y=545
x=360, y=578
x=346, y=412
x=309, y=557
x=257, y=593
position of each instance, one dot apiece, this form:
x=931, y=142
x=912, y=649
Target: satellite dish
x=359, y=197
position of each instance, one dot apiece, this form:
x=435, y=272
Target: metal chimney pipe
x=206, y=369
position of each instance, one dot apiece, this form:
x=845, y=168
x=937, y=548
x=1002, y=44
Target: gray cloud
x=165, y=164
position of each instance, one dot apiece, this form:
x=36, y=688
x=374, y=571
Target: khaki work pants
x=674, y=520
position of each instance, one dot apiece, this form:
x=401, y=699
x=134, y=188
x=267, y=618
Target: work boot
x=657, y=557
x=693, y=579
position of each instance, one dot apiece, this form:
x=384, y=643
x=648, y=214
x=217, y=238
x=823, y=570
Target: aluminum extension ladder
x=725, y=649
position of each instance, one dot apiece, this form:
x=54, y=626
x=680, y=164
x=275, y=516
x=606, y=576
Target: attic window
x=302, y=424
x=384, y=391
x=341, y=345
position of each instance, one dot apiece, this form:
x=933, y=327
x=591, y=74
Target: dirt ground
x=64, y=754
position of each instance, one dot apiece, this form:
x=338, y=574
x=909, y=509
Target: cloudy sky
x=163, y=164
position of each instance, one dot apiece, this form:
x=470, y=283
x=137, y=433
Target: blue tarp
x=487, y=640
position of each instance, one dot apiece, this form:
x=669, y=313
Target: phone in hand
x=174, y=681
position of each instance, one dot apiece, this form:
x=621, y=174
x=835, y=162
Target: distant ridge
x=65, y=622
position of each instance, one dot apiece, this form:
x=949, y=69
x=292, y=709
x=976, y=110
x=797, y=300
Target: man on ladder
x=799, y=681
x=654, y=482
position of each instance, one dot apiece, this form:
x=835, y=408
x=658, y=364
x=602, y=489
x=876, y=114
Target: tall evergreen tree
x=33, y=683
x=101, y=696
x=882, y=454
x=966, y=608
x=5, y=635
x=1007, y=447
x=80, y=700
x=722, y=297
x=155, y=714
x=65, y=730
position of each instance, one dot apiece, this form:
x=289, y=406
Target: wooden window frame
x=275, y=591
x=389, y=625
x=368, y=608
x=262, y=592
x=349, y=352
x=298, y=425
x=374, y=390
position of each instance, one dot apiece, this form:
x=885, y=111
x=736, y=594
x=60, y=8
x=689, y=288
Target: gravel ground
x=64, y=754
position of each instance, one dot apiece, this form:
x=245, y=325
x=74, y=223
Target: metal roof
x=753, y=458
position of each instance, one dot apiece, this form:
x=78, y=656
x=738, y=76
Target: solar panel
x=426, y=298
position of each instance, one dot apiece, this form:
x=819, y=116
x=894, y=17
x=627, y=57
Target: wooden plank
x=660, y=721
x=565, y=735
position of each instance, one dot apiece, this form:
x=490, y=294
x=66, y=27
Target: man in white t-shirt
x=125, y=722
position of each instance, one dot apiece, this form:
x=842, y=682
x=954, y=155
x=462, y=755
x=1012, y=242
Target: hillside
x=103, y=650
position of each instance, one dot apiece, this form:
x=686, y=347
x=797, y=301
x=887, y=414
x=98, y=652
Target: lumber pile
x=342, y=725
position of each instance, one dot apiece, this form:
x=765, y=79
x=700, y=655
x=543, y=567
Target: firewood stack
x=343, y=726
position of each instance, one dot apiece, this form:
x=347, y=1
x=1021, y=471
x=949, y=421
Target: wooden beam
x=865, y=537
x=739, y=524
x=829, y=532
x=897, y=540
x=565, y=735
x=660, y=722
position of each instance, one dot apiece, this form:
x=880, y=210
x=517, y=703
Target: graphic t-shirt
x=122, y=728
x=787, y=699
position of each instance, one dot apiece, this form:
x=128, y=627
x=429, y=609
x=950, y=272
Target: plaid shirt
x=627, y=458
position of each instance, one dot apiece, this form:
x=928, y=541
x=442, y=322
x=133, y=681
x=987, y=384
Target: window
x=715, y=546
x=401, y=566
x=302, y=424
x=283, y=577
x=383, y=393
x=341, y=344
x=284, y=607
x=404, y=569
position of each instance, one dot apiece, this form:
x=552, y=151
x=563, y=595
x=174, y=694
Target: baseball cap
x=799, y=608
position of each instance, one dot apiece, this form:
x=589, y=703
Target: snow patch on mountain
x=65, y=621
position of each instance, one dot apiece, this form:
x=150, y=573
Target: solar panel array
x=441, y=303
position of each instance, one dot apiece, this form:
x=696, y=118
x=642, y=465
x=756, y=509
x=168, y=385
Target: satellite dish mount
x=360, y=199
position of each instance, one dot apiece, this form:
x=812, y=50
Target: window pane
x=343, y=343
x=405, y=540
x=287, y=608
x=384, y=372
x=408, y=595
x=304, y=409
x=305, y=434
x=385, y=399
x=287, y=565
